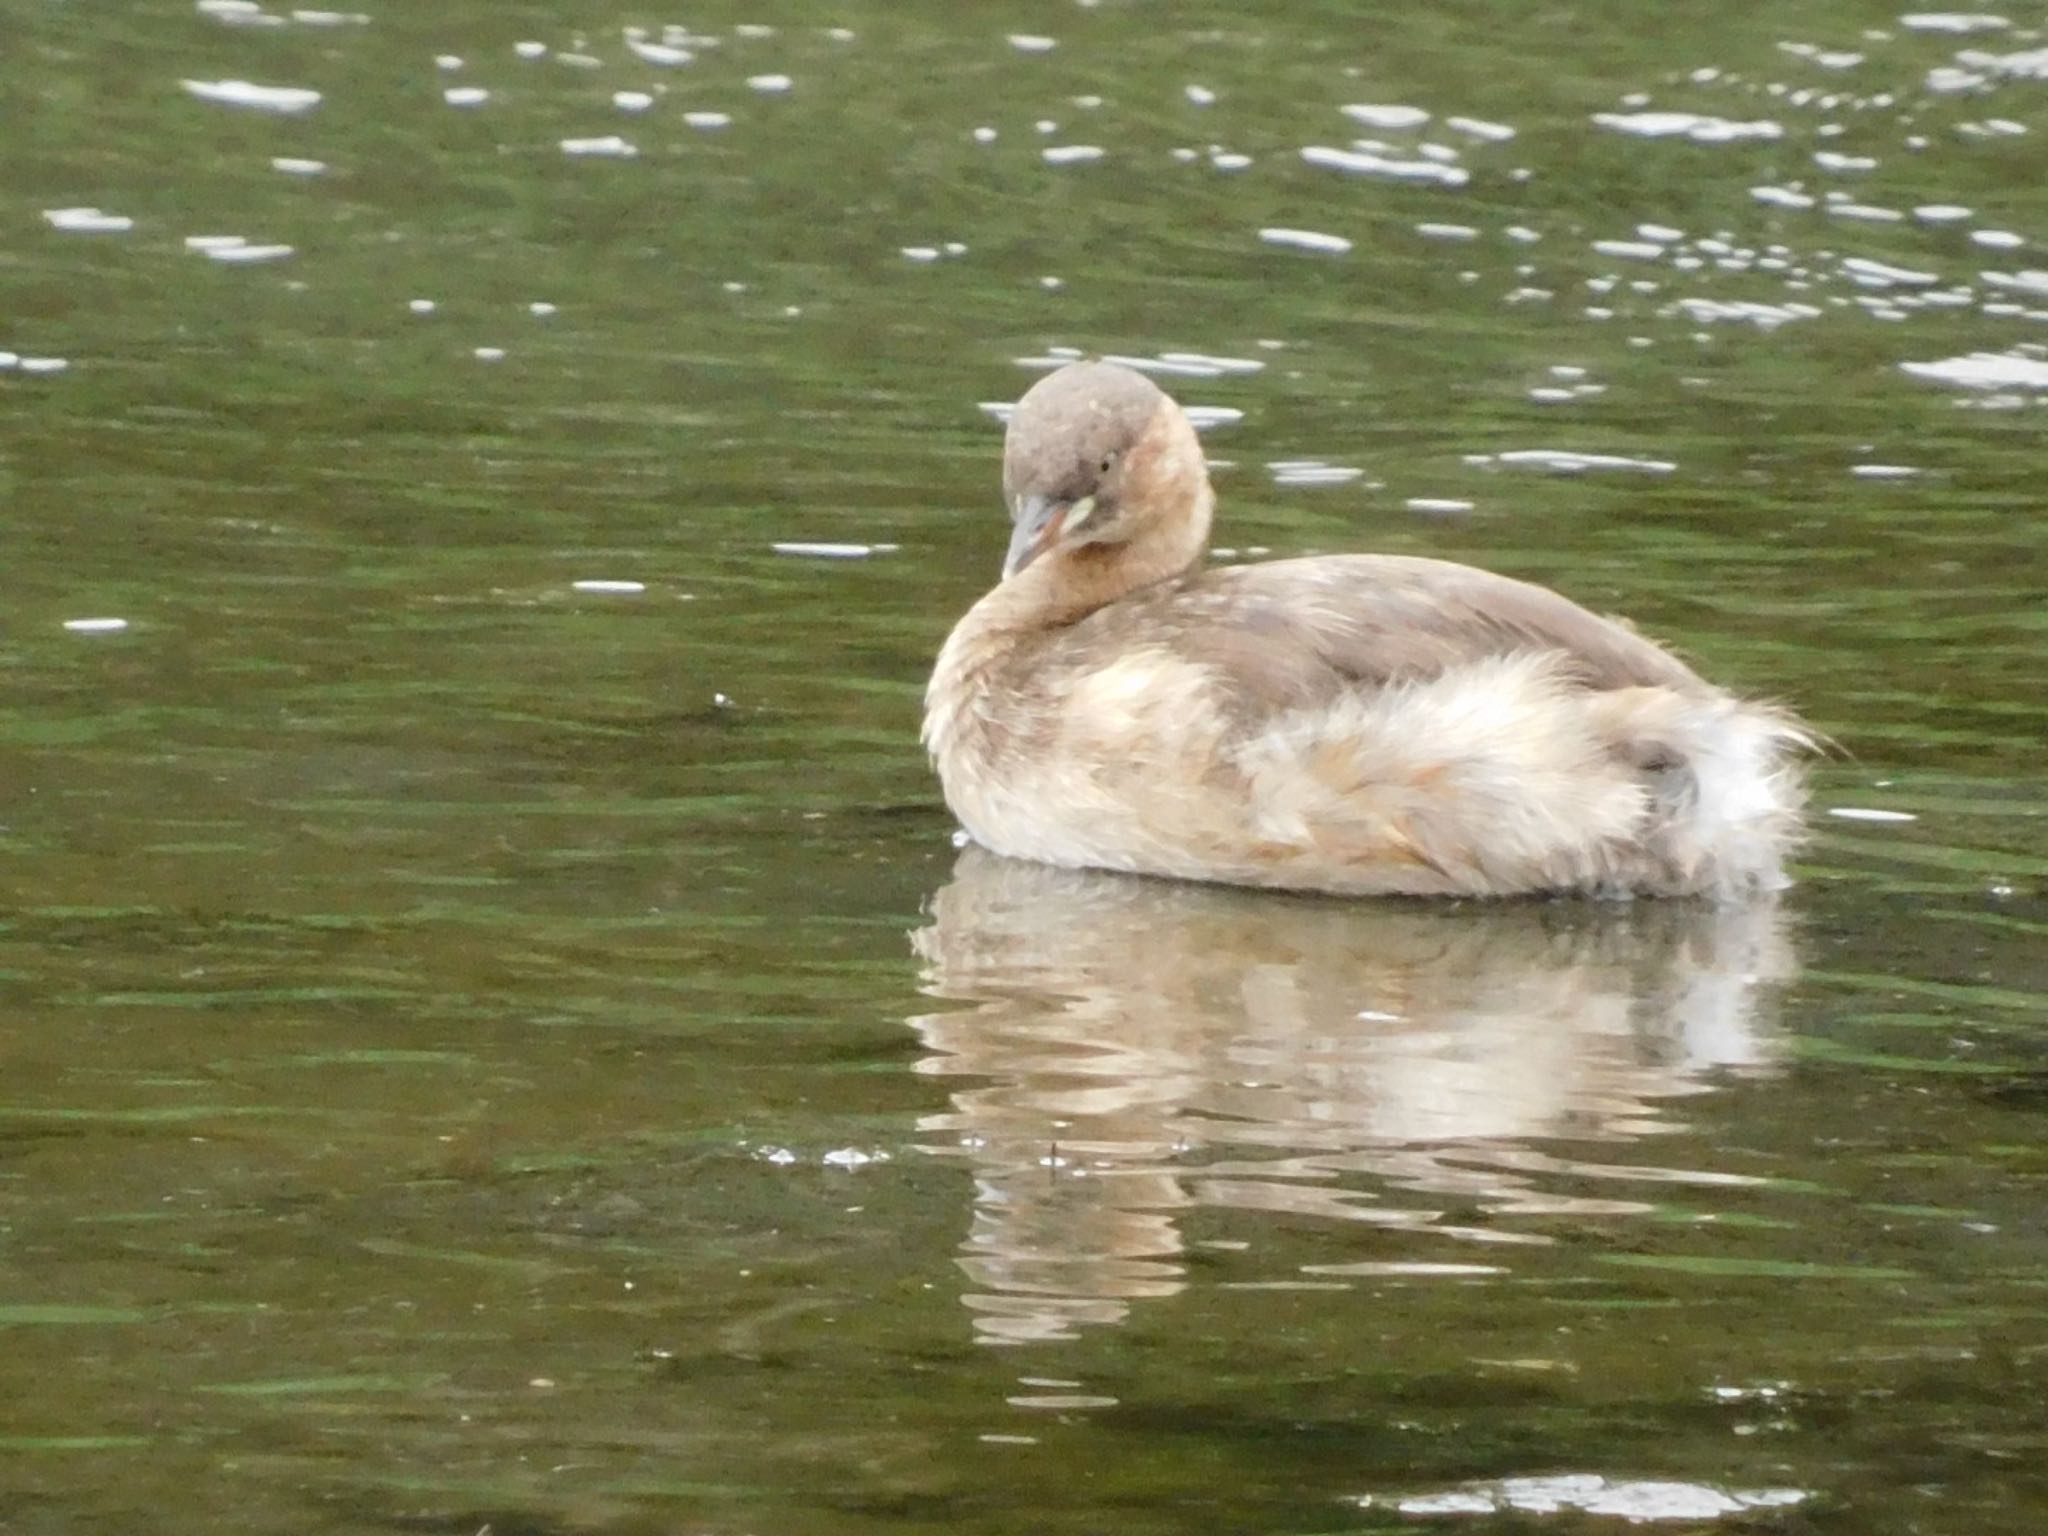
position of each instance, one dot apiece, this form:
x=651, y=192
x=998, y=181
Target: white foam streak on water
x=1026, y=42
x=661, y=55
x=286, y=99
x=1480, y=128
x=828, y=551
x=1948, y=80
x=1983, y=370
x=235, y=249
x=1190, y=365
x=88, y=221
x=619, y=588
x=96, y=626
x=246, y=13
x=2032, y=282
x=1869, y=813
x=1365, y=163
x=2030, y=65
x=1378, y=116
x=291, y=165
x=1052, y=358
x=1201, y=417
x=1953, y=21
x=1781, y=197
x=769, y=85
x=1072, y=154
x=1399, y=1267
x=1311, y=472
x=238, y=13
x=707, y=120
x=1688, y=125
x=854, y=1157
x=1592, y=1494
x=608, y=145
x=465, y=95
x=1825, y=58
x=1561, y=461
x=1879, y=274
x=1765, y=317
x=1306, y=240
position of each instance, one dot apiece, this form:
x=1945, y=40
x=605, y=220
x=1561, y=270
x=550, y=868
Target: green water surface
x=483, y=1052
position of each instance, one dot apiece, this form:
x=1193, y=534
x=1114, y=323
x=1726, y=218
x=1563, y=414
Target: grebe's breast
x=1361, y=724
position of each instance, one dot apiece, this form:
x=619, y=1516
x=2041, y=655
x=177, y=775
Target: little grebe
x=1358, y=724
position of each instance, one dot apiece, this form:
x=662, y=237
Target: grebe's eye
x=1108, y=462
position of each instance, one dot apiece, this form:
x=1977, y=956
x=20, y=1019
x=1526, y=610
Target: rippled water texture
x=496, y=1032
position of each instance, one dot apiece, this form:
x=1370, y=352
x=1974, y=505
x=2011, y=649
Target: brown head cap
x=1073, y=427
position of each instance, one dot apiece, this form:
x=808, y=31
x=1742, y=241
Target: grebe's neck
x=1069, y=584
x=1169, y=533
x=1058, y=589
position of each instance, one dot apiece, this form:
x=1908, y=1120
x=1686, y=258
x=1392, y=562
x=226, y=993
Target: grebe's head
x=1100, y=464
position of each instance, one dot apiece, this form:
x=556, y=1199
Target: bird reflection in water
x=1134, y=1048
